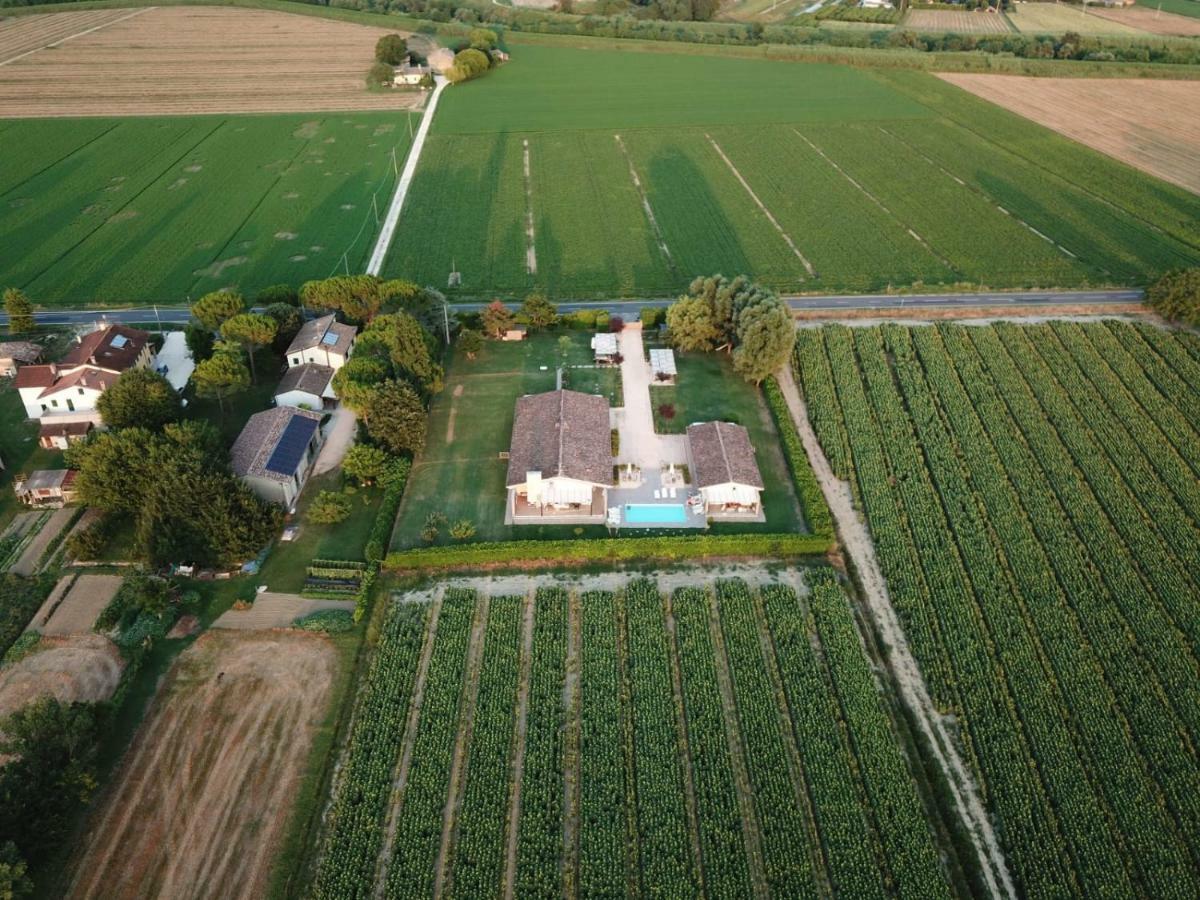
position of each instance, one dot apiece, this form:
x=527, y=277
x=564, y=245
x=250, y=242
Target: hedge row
x=816, y=510
x=381, y=533
x=543, y=554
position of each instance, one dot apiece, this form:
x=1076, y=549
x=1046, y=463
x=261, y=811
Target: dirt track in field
x=1149, y=124
x=203, y=798
x=185, y=60
x=1150, y=20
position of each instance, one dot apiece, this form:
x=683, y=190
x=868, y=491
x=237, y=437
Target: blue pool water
x=655, y=514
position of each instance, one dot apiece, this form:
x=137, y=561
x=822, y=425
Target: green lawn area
x=707, y=389
x=284, y=569
x=603, y=380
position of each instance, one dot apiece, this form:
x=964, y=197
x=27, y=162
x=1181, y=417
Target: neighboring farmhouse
x=67, y=391
x=320, y=348
x=561, y=463
x=723, y=468
x=275, y=451
x=14, y=354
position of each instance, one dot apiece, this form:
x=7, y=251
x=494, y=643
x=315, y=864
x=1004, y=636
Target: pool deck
x=643, y=495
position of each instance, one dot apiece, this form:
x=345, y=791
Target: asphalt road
x=833, y=303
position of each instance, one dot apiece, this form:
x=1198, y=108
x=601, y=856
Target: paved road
x=170, y=315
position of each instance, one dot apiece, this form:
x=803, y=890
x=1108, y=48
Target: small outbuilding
x=324, y=341
x=604, y=348
x=723, y=468
x=309, y=386
x=275, y=452
x=46, y=488
x=662, y=366
x=515, y=334
x=58, y=435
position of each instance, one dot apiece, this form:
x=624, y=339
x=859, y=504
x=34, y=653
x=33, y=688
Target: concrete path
x=392, y=219
x=276, y=611
x=639, y=443
x=338, y=438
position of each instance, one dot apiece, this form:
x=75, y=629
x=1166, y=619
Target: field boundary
x=646, y=207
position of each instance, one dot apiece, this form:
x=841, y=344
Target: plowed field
x=1152, y=125
x=204, y=797
x=956, y=22
x=186, y=60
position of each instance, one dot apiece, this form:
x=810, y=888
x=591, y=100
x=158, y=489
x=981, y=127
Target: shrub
x=329, y=508
x=667, y=411
x=380, y=75
x=615, y=440
x=616, y=324
x=429, y=533
x=602, y=319
x=462, y=530
x=327, y=621
x=652, y=316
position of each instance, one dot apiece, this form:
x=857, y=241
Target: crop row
x=540, y=834
x=1069, y=524
x=414, y=849
x=477, y=865
x=354, y=835
x=722, y=843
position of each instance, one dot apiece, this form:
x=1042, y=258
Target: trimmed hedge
x=381, y=533
x=545, y=554
x=816, y=510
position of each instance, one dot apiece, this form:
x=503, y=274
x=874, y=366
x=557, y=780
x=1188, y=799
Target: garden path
x=639, y=443
x=337, y=441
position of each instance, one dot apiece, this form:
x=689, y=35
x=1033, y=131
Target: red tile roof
x=34, y=376
x=114, y=347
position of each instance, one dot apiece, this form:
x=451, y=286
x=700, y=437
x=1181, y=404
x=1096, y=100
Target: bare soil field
x=83, y=668
x=186, y=60
x=202, y=801
x=80, y=608
x=956, y=22
x=1151, y=20
x=23, y=35
x=1151, y=125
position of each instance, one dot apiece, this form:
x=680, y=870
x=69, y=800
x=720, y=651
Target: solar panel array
x=291, y=446
x=329, y=338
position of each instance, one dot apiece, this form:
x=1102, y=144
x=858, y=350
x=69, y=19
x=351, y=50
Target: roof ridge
x=724, y=455
x=562, y=402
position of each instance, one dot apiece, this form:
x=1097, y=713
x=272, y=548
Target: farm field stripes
x=1075, y=538
x=734, y=647
x=163, y=209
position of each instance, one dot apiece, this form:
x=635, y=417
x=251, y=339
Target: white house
x=722, y=464
x=561, y=464
x=67, y=391
x=408, y=74
x=306, y=387
x=324, y=341
x=275, y=451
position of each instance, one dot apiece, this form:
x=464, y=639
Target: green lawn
x=284, y=569
x=1179, y=7
x=162, y=209
x=707, y=389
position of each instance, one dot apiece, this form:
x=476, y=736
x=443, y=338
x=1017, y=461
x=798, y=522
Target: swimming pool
x=655, y=514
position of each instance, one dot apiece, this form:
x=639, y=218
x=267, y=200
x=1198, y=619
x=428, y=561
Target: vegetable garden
x=1033, y=495
x=617, y=768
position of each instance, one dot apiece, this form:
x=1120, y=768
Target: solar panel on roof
x=330, y=338
x=120, y=341
x=291, y=446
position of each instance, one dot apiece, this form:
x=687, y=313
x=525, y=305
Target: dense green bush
x=328, y=621
x=19, y=600
x=572, y=552
x=816, y=510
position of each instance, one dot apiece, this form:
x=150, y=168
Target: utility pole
x=446, y=319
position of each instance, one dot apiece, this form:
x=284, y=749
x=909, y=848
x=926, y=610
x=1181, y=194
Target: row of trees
x=1176, y=296
x=740, y=317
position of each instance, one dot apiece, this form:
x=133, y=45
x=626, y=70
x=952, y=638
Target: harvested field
x=1151, y=20
x=184, y=60
x=84, y=668
x=227, y=743
x=31, y=33
x=79, y=609
x=1055, y=18
x=956, y=22
x=1151, y=125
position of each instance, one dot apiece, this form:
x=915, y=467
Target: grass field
x=975, y=22
x=816, y=185
x=713, y=743
x=461, y=475
x=161, y=209
x=1179, y=7
x=1034, y=498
